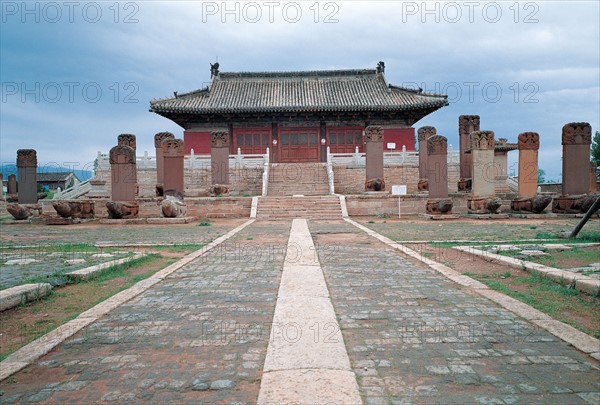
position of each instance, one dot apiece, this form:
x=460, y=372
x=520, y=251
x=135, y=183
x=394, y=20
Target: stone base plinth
x=129, y=221
x=122, y=209
x=375, y=185
x=74, y=209
x=440, y=206
x=21, y=212
x=573, y=204
x=535, y=204
x=483, y=205
x=423, y=185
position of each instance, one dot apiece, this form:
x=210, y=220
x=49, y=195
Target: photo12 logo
x=270, y=11
x=69, y=11
x=71, y=92
x=472, y=92
x=469, y=11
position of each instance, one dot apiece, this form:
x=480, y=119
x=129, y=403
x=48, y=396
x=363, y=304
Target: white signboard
x=399, y=190
x=391, y=145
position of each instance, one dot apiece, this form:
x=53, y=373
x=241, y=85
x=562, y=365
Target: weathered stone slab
x=11, y=297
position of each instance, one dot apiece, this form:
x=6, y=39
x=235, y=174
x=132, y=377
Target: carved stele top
x=173, y=147
x=529, y=140
x=468, y=124
x=373, y=134
x=437, y=145
x=219, y=139
x=126, y=140
x=425, y=132
x=577, y=133
x=26, y=158
x=161, y=136
x=122, y=154
x=482, y=140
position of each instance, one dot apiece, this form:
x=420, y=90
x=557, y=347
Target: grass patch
x=184, y=247
x=555, y=299
x=204, y=223
x=28, y=322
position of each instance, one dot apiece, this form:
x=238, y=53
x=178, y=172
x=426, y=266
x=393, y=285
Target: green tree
x=541, y=176
x=596, y=148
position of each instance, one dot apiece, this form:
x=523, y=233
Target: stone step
x=324, y=206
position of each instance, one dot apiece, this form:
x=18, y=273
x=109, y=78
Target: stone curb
x=42, y=345
x=11, y=297
x=89, y=272
x=582, y=282
x=567, y=333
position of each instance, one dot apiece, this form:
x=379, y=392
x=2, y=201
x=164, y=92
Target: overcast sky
x=76, y=74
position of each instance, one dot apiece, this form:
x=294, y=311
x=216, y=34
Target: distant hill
x=82, y=175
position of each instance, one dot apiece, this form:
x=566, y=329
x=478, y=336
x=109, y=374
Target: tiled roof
x=307, y=91
x=53, y=176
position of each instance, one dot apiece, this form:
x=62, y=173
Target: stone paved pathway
x=201, y=335
x=414, y=337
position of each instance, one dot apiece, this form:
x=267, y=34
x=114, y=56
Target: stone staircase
x=309, y=207
x=286, y=179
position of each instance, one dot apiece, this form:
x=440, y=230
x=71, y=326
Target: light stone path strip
x=307, y=361
x=581, y=282
x=41, y=346
x=568, y=333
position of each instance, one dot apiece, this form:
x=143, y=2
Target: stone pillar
x=593, y=182
x=126, y=140
x=424, y=133
x=12, y=185
x=123, y=183
x=27, y=168
x=173, y=152
x=466, y=125
x=528, y=200
x=576, y=141
x=373, y=137
x=482, y=200
x=437, y=175
x=158, y=139
x=529, y=143
x=219, y=162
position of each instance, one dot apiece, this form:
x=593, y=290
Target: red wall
x=399, y=136
x=199, y=141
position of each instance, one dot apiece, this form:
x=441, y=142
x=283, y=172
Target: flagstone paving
x=412, y=336
x=199, y=336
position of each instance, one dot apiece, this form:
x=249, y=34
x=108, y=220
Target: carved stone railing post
x=576, y=140
x=528, y=200
x=123, y=182
x=127, y=140
x=158, y=139
x=373, y=136
x=423, y=134
x=466, y=125
x=436, y=148
x=27, y=169
x=482, y=199
x=219, y=156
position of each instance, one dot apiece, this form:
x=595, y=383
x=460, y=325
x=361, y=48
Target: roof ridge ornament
x=381, y=67
x=214, y=70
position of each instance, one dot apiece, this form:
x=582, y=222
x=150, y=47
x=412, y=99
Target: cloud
x=159, y=47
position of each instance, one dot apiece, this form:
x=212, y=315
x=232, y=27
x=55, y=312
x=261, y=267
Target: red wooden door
x=298, y=145
x=251, y=141
x=345, y=139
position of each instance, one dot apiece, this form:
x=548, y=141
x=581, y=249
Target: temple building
x=298, y=114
